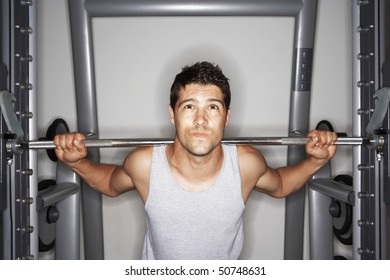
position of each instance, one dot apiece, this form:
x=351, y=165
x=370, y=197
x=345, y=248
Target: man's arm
x=284, y=181
x=111, y=180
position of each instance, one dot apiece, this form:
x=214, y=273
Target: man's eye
x=214, y=107
x=188, y=107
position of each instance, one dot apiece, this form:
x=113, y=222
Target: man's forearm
x=96, y=175
x=296, y=176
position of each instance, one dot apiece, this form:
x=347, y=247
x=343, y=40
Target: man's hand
x=70, y=147
x=321, y=146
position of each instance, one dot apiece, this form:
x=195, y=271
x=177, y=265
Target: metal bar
x=261, y=141
x=123, y=8
x=33, y=126
x=86, y=105
x=334, y=189
x=320, y=226
x=302, y=64
x=356, y=128
x=320, y=222
x=55, y=194
x=68, y=226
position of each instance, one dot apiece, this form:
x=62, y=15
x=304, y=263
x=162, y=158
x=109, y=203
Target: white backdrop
x=136, y=61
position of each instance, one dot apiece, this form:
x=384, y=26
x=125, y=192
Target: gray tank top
x=194, y=225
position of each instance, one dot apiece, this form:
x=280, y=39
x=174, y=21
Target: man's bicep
x=269, y=182
x=121, y=181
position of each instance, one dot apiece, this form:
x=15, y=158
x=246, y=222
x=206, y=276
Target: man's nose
x=200, y=118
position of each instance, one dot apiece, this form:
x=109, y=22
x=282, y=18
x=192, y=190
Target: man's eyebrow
x=196, y=101
x=216, y=100
x=187, y=100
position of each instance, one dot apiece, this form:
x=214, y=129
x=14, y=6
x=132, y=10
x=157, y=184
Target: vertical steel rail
x=305, y=26
x=32, y=118
x=377, y=158
x=356, y=125
x=368, y=165
x=5, y=235
x=384, y=81
x=320, y=221
x=84, y=74
x=68, y=227
x=23, y=225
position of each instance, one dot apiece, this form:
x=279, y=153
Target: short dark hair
x=202, y=73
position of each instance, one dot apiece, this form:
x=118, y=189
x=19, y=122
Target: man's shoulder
x=244, y=150
x=248, y=155
x=140, y=157
x=141, y=151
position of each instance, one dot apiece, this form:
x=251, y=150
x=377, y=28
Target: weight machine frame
x=23, y=240
x=20, y=200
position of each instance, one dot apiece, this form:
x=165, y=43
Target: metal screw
x=28, y=257
x=363, y=167
x=27, y=115
x=27, y=58
x=26, y=30
x=28, y=200
x=365, y=223
x=362, y=251
x=364, y=195
x=363, y=111
x=28, y=229
x=364, y=84
x=26, y=86
x=26, y=3
x=361, y=29
x=28, y=172
x=362, y=56
x=362, y=2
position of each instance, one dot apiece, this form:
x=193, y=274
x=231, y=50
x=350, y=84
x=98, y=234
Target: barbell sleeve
x=256, y=141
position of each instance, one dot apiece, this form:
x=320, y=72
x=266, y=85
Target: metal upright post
x=19, y=219
x=384, y=79
x=83, y=63
x=4, y=85
x=31, y=116
x=356, y=124
x=305, y=26
x=370, y=175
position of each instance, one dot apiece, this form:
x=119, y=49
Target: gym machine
x=23, y=206
x=356, y=209
x=20, y=233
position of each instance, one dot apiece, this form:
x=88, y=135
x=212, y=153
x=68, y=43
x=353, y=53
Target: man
x=195, y=189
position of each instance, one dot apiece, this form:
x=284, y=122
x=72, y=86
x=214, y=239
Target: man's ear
x=227, y=117
x=171, y=114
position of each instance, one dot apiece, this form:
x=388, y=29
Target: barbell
x=18, y=145
x=134, y=142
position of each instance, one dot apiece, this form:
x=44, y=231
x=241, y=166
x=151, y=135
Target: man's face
x=200, y=117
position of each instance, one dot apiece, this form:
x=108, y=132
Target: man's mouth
x=200, y=134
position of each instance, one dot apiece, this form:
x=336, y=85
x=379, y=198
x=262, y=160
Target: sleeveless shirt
x=194, y=225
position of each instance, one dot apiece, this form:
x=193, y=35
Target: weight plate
x=342, y=225
x=59, y=126
x=324, y=125
x=46, y=230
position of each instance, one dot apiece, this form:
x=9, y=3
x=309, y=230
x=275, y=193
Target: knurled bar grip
x=261, y=141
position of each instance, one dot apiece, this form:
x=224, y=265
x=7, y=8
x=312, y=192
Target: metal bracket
x=381, y=106
x=6, y=102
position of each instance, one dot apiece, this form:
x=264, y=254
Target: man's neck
x=190, y=169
